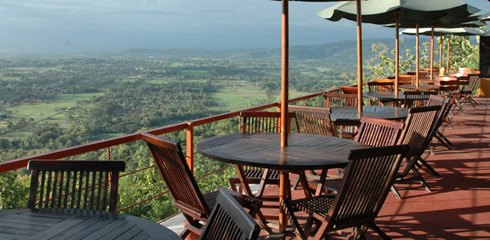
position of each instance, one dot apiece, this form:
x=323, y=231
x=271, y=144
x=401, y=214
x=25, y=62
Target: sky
x=117, y=25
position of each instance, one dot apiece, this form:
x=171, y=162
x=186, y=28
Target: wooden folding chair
x=228, y=221
x=377, y=132
x=377, y=87
x=194, y=205
x=435, y=100
x=74, y=184
x=366, y=183
x=312, y=120
x=416, y=133
x=344, y=129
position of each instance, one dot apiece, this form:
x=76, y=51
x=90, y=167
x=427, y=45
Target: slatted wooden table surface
x=304, y=152
x=350, y=114
x=77, y=224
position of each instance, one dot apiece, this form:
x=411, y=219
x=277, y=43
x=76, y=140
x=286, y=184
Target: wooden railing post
x=108, y=153
x=190, y=146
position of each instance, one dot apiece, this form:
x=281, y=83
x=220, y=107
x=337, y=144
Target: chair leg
x=380, y=232
x=421, y=179
x=441, y=140
x=444, y=138
x=395, y=191
x=429, y=168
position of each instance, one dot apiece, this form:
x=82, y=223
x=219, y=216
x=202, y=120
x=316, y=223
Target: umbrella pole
x=440, y=53
x=397, y=52
x=448, y=50
x=284, y=178
x=284, y=72
x=432, y=54
x=417, y=54
x=359, y=59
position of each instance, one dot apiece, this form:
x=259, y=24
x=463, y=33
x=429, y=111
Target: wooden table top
x=421, y=87
x=77, y=224
x=385, y=95
x=304, y=151
x=350, y=114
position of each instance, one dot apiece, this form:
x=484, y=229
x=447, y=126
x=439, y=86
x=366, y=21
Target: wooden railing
x=107, y=144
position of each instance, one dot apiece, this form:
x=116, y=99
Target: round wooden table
x=350, y=114
x=304, y=152
x=421, y=87
x=41, y=224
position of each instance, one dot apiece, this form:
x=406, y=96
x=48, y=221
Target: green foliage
x=13, y=190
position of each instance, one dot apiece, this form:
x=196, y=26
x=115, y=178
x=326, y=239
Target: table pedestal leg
x=284, y=194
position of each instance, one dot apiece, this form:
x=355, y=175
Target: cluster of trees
x=135, y=94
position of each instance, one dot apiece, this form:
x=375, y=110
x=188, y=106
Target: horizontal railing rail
x=189, y=126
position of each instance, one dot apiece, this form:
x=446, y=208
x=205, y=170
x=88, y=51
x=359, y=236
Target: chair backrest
x=377, y=132
x=74, y=184
x=261, y=122
x=472, y=80
x=368, y=178
x=228, y=221
x=416, y=98
x=312, y=120
x=349, y=89
x=417, y=129
x=171, y=163
x=380, y=86
x=435, y=100
x=340, y=100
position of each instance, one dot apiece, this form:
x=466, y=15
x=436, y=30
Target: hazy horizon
x=109, y=26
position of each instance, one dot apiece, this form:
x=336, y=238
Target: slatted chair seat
x=74, y=184
x=195, y=206
x=228, y=221
x=364, y=188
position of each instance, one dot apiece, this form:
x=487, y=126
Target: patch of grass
x=236, y=95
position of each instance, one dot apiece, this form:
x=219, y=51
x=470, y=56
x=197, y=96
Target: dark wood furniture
x=416, y=133
x=312, y=120
x=344, y=129
x=467, y=91
x=340, y=100
x=53, y=223
x=396, y=99
x=304, y=152
x=228, y=221
x=421, y=87
x=350, y=115
x=441, y=118
x=416, y=98
x=379, y=86
x=365, y=186
x=194, y=205
x=377, y=132
x=258, y=122
x=74, y=184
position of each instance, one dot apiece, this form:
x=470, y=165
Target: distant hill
x=345, y=50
